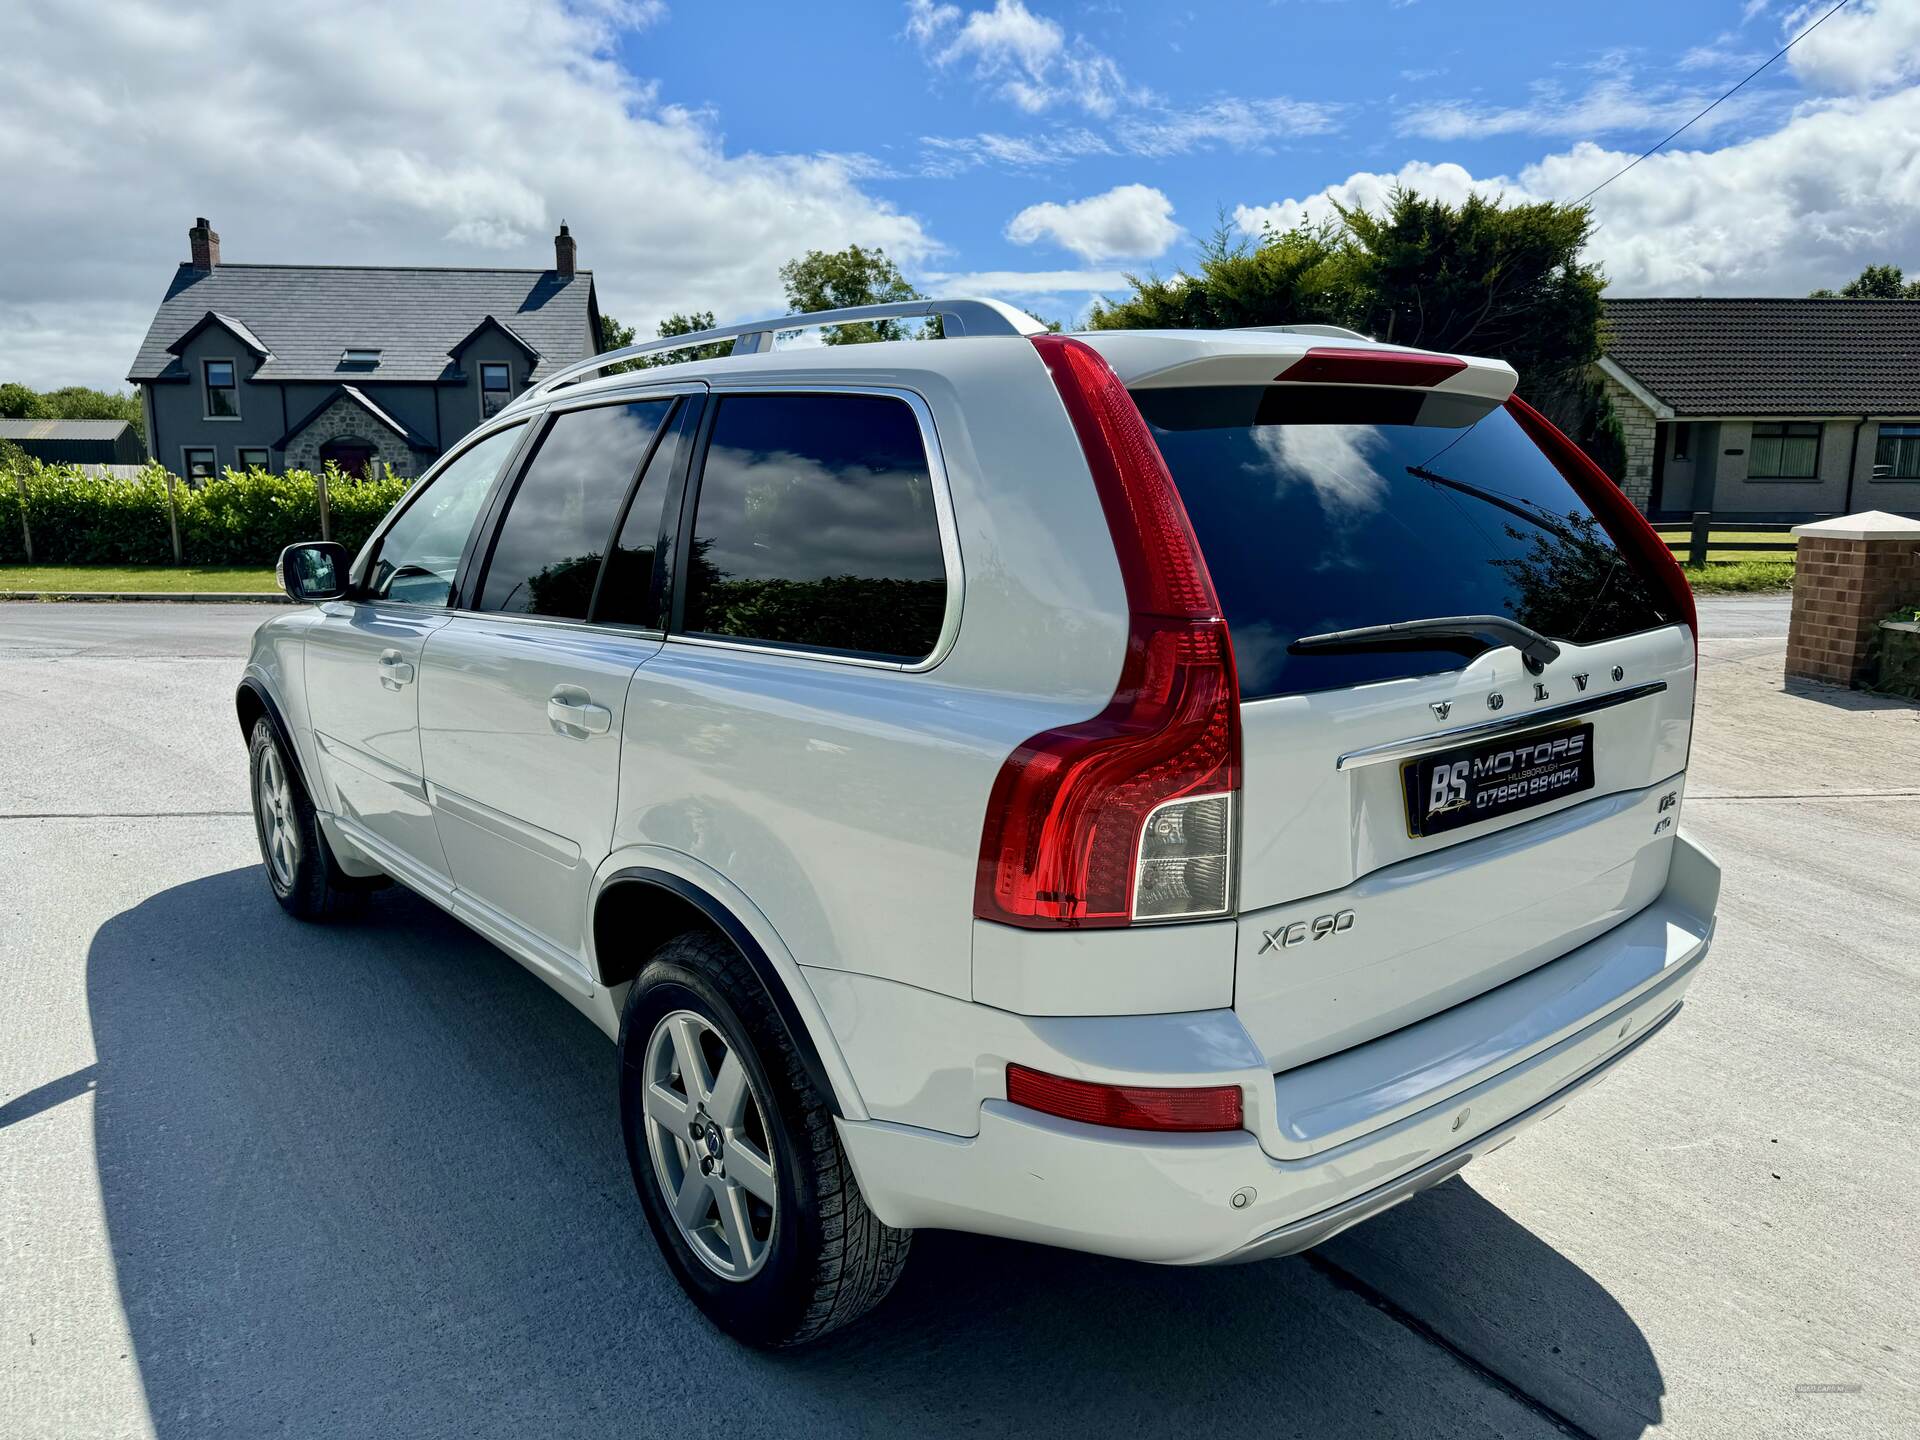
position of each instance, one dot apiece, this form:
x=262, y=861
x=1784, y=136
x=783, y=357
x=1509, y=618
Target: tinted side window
x=419, y=555
x=547, y=555
x=816, y=527
x=637, y=571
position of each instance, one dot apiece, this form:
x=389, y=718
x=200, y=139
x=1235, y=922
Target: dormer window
x=496, y=389
x=358, y=357
x=223, y=395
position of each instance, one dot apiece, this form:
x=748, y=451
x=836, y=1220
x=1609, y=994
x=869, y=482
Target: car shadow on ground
x=367, y=1179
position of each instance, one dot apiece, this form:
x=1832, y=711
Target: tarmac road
x=258, y=1177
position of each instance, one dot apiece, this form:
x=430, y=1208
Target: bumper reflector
x=1126, y=1107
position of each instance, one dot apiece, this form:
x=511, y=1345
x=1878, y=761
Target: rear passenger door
x=522, y=696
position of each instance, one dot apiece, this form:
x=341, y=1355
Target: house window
x=356, y=357
x=223, y=396
x=1682, y=441
x=1897, y=456
x=252, y=459
x=1789, y=451
x=496, y=389
x=200, y=465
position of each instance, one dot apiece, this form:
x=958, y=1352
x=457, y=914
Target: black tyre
x=736, y=1158
x=306, y=879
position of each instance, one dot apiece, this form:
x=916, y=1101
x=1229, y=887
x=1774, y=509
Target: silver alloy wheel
x=712, y=1152
x=273, y=807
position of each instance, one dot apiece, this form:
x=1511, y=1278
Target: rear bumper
x=1334, y=1142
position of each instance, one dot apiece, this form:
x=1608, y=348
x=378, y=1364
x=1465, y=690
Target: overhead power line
x=1704, y=113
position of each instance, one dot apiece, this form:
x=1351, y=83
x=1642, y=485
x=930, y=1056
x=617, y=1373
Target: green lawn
x=160, y=578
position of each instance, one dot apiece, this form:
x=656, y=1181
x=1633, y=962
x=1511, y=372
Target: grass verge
x=157, y=579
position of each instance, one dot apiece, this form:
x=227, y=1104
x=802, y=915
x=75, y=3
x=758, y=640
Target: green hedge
x=243, y=517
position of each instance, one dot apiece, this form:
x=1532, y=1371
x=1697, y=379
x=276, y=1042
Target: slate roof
x=306, y=315
x=1774, y=355
x=62, y=429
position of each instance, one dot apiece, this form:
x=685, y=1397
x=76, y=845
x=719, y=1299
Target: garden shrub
x=241, y=517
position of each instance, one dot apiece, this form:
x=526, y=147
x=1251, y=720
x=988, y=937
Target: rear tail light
x=1071, y=837
x=1334, y=365
x=1186, y=860
x=1126, y=1107
x=1621, y=518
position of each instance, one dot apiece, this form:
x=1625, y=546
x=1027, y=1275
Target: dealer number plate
x=1452, y=788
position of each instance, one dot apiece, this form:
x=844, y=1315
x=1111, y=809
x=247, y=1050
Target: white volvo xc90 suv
x=1167, y=794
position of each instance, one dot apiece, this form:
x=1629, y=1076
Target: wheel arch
x=252, y=701
x=639, y=907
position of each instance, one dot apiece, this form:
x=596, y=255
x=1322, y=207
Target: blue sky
x=1352, y=78
x=1023, y=148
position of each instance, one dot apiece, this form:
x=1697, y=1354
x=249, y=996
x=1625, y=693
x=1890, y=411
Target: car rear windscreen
x=1327, y=508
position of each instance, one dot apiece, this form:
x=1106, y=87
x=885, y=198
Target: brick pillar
x=1847, y=574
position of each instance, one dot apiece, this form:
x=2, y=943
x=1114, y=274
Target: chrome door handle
x=570, y=709
x=395, y=671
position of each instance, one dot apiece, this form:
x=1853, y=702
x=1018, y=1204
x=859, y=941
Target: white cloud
x=1237, y=124
x=1872, y=45
x=1026, y=57
x=1615, y=99
x=1127, y=222
x=948, y=155
x=1368, y=191
x=1832, y=189
x=442, y=132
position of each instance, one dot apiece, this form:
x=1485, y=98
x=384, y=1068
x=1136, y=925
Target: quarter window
x=223, y=396
x=1897, y=455
x=546, y=560
x=632, y=591
x=496, y=389
x=816, y=527
x=1784, y=452
x=420, y=554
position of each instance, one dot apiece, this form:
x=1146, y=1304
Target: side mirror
x=313, y=570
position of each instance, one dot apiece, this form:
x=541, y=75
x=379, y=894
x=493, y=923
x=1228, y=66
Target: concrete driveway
x=258, y=1177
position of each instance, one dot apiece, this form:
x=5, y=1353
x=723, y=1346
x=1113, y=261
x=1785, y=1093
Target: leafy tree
x=1481, y=277
x=21, y=402
x=834, y=280
x=614, y=335
x=691, y=324
x=1876, y=282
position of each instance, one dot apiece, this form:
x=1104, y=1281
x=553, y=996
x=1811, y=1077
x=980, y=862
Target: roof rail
x=753, y=337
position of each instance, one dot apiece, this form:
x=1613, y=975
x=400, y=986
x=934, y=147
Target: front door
x=349, y=456
x=522, y=704
x=362, y=665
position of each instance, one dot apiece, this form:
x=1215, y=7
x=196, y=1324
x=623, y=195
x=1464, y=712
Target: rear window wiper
x=1467, y=635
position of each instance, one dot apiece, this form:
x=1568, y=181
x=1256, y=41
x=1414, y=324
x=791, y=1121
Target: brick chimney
x=205, y=245
x=564, y=251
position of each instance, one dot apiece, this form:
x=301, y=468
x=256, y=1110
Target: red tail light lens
x=1061, y=841
x=1332, y=365
x=1618, y=515
x=1126, y=1107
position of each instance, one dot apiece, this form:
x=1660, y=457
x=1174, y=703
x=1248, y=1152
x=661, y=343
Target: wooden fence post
x=26, y=531
x=1697, y=539
x=320, y=483
x=173, y=521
